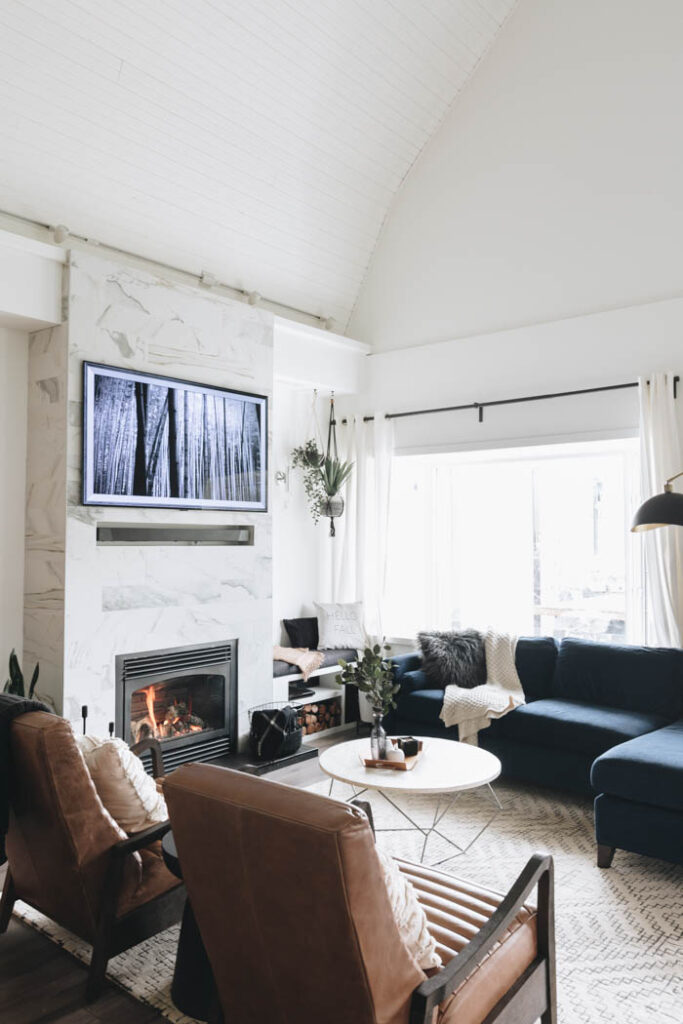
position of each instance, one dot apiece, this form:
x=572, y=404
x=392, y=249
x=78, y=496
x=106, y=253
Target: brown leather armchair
x=289, y=897
x=66, y=857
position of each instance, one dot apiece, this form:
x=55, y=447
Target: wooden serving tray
x=397, y=766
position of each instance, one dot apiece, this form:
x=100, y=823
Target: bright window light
x=531, y=541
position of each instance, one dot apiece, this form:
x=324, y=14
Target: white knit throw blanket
x=473, y=709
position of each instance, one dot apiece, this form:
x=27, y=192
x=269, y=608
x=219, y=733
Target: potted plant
x=15, y=684
x=324, y=476
x=373, y=674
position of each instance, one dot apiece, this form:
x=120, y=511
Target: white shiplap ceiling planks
x=261, y=141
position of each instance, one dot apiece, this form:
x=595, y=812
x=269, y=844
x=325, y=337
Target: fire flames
x=178, y=718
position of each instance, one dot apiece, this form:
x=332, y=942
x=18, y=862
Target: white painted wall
x=305, y=359
x=584, y=352
x=30, y=282
x=13, y=415
x=299, y=560
x=553, y=187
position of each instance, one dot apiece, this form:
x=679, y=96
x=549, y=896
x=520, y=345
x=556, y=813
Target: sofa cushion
x=646, y=679
x=647, y=770
x=420, y=706
x=535, y=660
x=416, y=680
x=572, y=725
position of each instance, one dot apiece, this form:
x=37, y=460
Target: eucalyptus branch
x=372, y=674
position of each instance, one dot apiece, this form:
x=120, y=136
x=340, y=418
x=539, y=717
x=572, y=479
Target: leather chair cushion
x=155, y=880
x=456, y=911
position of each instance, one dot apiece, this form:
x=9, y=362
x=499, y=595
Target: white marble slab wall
x=46, y=509
x=119, y=600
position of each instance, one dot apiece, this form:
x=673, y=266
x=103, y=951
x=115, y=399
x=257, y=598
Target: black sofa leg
x=605, y=855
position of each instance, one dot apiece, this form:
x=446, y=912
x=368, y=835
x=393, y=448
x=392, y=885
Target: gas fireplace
x=185, y=697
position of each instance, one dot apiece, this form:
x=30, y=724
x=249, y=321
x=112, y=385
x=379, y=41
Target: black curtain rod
x=511, y=401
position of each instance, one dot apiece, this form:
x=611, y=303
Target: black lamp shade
x=664, y=509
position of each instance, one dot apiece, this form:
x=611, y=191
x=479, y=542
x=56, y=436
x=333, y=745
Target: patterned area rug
x=619, y=934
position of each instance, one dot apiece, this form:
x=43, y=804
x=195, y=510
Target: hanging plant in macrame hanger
x=334, y=474
x=323, y=471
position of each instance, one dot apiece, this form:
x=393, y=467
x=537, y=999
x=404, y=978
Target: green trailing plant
x=323, y=476
x=308, y=458
x=15, y=683
x=373, y=675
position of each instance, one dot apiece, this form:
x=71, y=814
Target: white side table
x=445, y=770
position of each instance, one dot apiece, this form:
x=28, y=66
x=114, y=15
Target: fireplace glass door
x=179, y=707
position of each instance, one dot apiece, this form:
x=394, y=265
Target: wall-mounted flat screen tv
x=157, y=442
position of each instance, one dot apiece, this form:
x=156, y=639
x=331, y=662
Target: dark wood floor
x=42, y=984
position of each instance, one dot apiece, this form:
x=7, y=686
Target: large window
x=531, y=541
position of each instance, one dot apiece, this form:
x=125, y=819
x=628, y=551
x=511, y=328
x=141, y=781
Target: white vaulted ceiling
x=260, y=140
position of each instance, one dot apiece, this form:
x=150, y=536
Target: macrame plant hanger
x=314, y=431
x=333, y=506
x=332, y=432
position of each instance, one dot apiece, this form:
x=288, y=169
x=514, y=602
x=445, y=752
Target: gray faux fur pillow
x=454, y=658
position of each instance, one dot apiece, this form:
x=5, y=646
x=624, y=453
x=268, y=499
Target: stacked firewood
x=320, y=716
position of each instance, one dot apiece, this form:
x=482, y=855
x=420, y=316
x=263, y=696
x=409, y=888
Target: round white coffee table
x=445, y=769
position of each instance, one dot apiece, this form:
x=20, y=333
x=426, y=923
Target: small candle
x=395, y=754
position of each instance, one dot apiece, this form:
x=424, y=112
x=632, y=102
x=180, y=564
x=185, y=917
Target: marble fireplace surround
x=86, y=603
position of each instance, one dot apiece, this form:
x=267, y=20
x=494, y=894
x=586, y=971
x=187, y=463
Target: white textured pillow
x=124, y=787
x=408, y=914
x=340, y=625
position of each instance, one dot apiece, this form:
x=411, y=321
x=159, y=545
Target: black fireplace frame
x=149, y=668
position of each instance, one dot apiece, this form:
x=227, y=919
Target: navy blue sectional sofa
x=599, y=719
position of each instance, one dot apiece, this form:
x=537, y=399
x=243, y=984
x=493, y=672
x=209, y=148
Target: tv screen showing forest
x=155, y=441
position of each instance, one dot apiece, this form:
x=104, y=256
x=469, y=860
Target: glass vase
x=378, y=737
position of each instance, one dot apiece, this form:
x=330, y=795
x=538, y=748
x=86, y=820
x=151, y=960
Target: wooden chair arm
x=141, y=839
x=154, y=748
x=537, y=872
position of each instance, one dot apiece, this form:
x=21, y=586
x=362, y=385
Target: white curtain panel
x=360, y=557
x=660, y=458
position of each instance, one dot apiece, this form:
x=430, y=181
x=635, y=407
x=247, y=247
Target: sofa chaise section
x=639, y=806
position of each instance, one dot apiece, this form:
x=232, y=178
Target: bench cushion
x=646, y=679
x=647, y=770
x=572, y=725
x=283, y=668
x=456, y=911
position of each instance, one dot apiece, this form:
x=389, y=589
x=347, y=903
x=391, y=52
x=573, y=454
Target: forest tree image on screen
x=155, y=441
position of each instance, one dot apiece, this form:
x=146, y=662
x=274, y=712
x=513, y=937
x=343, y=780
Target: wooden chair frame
x=534, y=994
x=112, y=935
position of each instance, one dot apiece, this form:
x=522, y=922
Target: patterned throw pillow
x=408, y=914
x=454, y=658
x=340, y=626
x=124, y=787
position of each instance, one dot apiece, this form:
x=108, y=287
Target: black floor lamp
x=665, y=509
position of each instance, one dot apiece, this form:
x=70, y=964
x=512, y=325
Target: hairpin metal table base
x=444, y=803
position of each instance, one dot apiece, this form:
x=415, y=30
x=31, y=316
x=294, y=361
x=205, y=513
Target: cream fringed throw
x=306, y=661
x=473, y=709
